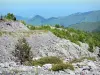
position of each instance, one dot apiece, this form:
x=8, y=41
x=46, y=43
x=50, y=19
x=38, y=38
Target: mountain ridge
x=90, y=16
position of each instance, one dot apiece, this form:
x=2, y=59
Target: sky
x=47, y=8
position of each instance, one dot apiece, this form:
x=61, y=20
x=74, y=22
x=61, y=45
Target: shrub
x=57, y=26
x=10, y=16
x=57, y=67
x=47, y=60
x=22, y=51
x=91, y=49
x=76, y=42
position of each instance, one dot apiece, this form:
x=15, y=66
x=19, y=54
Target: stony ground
x=83, y=68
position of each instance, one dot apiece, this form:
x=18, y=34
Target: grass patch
x=62, y=66
x=76, y=60
x=47, y=60
x=0, y=33
x=81, y=59
x=90, y=58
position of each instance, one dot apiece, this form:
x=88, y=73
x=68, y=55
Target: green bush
x=10, y=16
x=22, y=51
x=47, y=60
x=91, y=48
x=62, y=66
x=57, y=26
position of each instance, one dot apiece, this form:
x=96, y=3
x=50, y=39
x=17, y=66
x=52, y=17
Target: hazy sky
x=47, y=8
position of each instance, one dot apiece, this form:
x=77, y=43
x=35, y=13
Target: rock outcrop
x=12, y=26
x=47, y=44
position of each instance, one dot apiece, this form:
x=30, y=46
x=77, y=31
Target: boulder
x=47, y=66
x=92, y=64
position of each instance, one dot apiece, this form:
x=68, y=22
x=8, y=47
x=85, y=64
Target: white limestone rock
x=47, y=66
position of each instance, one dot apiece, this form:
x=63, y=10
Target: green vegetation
x=81, y=59
x=47, y=60
x=91, y=38
x=10, y=16
x=90, y=58
x=59, y=26
x=62, y=66
x=57, y=63
x=0, y=33
x=23, y=22
x=22, y=51
x=47, y=27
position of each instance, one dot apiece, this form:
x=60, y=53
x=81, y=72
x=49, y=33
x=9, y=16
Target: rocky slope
x=47, y=44
x=12, y=26
x=42, y=43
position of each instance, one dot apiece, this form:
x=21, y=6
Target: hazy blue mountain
x=21, y=18
x=52, y=21
x=36, y=20
x=91, y=16
x=87, y=26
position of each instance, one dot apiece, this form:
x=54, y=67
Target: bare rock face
x=9, y=37
x=47, y=44
x=7, y=45
x=12, y=26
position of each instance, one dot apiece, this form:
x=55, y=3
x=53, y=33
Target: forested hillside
x=87, y=26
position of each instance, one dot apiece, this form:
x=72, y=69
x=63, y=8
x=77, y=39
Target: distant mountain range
x=91, y=16
x=21, y=18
